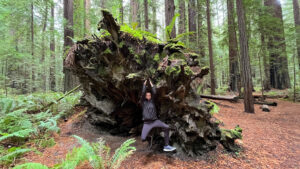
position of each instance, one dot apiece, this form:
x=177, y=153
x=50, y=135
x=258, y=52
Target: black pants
x=157, y=123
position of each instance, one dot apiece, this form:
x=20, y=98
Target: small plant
x=97, y=154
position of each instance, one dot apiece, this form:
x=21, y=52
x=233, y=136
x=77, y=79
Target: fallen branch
x=214, y=97
x=266, y=103
x=51, y=103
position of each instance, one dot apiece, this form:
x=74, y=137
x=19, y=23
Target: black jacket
x=149, y=108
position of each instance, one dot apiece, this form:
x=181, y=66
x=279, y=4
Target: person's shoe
x=169, y=148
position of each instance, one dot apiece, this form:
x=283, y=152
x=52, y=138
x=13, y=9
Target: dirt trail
x=270, y=140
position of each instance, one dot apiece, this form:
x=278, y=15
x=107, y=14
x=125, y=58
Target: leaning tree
x=112, y=67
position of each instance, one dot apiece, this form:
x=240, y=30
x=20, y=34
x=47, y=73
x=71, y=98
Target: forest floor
x=270, y=140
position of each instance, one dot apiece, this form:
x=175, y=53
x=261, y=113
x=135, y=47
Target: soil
x=270, y=140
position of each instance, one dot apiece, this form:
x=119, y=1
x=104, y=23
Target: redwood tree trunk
x=33, y=87
x=169, y=14
x=42, y=61
x=52, y=50
x=121, y=12
x=201, y=38
x=146, y=15
x=245, y=59
x=279, y=75
x=233, y=48
x=134, y=10
x=69, y=80
x=297, y=25
x=211, y=56
x=192, y=23
x=182, y=17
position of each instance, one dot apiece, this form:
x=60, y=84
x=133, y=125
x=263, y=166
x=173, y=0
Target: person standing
x=150, y=118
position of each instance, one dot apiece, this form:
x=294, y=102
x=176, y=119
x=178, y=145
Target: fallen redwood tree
x=112, y=68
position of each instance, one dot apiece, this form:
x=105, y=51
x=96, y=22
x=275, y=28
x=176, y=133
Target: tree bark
x=52, y=50
x=69, y=79
x=192, y=23
x=33, y=87
x=279, y=75
x=211, y=56
x=121, y=11
x=87, y=24
x=154, y=21
x=182, y=18
x=169, y=14
x=245, y=59
x=134, y=10
x=233, y=48
x=297, y=25
x=42, y=61
x=201, y=32
x=146, y=15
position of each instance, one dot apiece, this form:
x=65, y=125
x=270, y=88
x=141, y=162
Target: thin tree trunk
x=154, y=21
x=245, y=59
x=200, y=32
x=69, y=80
x=33, y=88
x=182, y=17
x=169, y=14
x=52, y=50
x=192, y=23
x=211, y=56
x=146, y=15
x=233, y=50
x=134, y=11
x=297, y=25
x=87, y=24
x=121, y=10
x=42, y=61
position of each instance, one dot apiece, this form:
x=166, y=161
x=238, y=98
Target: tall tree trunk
x=297, y=25
x=233, y=48
x=102, y=4
x=192, y=23
x=70, y=79
x=87, y=24
x=146, y=15
x=182, y=18
x=33, y=87
x=169, y=14
x=52, y=50
x=200, y=32
x=154, y=21
x=42, y=61
x=211, y=56
x=121, y=11
x=279, y=75
x=245, y=59
x=134, y=7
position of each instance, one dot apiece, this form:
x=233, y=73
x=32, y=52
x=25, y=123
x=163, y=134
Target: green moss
x=177, y=55
x=156, y=58
x=137, y=59
x=235, y=133
x=107, y=51
x=121, y=44
x=188, y=71
x=173, y=69
x=132, y=75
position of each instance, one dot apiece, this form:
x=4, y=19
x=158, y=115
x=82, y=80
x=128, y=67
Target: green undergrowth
x=140, y=34
x=97, y=154
x=21, y=121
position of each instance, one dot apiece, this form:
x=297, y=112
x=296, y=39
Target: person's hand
x=150, y=83
x=145, y=82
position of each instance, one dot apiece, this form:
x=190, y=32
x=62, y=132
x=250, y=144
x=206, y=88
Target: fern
x=8, y=157
x=20, y=134
x=31, y=166
x=169, y=28
x=124, y=151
